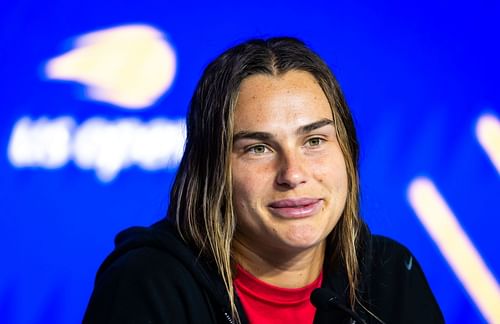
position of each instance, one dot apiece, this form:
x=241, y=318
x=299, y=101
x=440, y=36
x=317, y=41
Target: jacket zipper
x=229, y=319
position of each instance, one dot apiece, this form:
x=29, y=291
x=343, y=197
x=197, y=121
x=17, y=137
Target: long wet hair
x=201, y=198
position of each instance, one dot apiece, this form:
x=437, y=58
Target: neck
x=286, y=269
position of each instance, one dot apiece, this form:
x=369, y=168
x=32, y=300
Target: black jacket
x=153, y=277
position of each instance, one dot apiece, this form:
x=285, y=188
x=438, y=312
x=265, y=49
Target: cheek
x=250, y=182
x=245, y=194
x=332, y=176
x=239, y=195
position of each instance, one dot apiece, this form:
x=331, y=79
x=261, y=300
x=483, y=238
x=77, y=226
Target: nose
x=291, y=171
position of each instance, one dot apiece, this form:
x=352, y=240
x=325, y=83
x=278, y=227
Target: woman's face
x=289, y=174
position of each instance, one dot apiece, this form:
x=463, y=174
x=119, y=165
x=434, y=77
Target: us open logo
x=129, y=67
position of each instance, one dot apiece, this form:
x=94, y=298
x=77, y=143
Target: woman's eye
x=315, y=141
x=258, y=149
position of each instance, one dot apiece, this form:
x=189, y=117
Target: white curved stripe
x=455, y=245
x=488, y=135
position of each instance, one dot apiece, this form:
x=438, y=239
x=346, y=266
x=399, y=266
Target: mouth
x=296, y=208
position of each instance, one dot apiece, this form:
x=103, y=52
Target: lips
x=296, y=208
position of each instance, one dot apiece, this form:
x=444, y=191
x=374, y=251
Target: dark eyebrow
x=261, y=136
x=264, y=136
x=310, y=127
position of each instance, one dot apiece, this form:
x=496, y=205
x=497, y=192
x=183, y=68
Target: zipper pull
x=229, y=319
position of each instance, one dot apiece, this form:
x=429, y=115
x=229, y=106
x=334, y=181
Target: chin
x=303, y=239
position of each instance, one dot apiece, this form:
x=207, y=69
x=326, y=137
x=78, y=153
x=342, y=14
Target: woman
x=263, y=211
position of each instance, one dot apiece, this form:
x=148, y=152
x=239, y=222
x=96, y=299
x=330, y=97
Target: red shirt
x=264, y=303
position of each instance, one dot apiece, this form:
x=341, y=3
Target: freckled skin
x=290, y=164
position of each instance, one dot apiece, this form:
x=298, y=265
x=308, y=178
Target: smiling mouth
x=296, y=208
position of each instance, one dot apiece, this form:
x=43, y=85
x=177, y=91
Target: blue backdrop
x=79, y=162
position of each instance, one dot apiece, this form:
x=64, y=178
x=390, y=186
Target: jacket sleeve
x=399, y=290
x=146, y=285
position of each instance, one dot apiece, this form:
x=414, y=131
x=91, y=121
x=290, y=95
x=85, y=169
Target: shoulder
x=147, y=285
x=388, y=252
x=398, y=288
x=392, y=262
x=146, y=264
x=152, y=254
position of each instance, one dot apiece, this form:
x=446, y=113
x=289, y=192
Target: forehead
x=294, y=98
